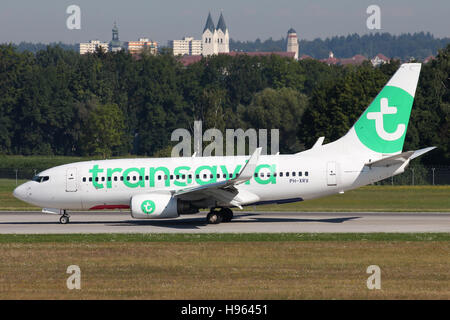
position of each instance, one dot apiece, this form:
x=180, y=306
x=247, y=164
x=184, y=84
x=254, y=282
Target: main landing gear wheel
x=214, y=217
x=64, y=218
x=227, y=214
x=218, y=216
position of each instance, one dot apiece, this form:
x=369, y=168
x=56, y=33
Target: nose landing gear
x=217, y=216
x=64, y=218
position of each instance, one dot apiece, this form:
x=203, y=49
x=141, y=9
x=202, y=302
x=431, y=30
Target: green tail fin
x=382, y=127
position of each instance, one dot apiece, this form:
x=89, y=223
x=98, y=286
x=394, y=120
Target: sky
x=163, y=20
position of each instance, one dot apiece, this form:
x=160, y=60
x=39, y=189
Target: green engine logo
x=382, y=128
x=148, y=206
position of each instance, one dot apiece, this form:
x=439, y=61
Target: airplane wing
x=398, y=158
x=224, y=191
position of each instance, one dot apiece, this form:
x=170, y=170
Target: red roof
x=261, y=54
x=187, y=60
x=357, y=59
x=428, y=59
x=382, y=57
x=330, y=61
x=305, y=56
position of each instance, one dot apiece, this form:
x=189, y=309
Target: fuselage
x=110, y=184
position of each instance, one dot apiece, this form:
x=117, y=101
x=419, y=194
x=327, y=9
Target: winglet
x=249, y=168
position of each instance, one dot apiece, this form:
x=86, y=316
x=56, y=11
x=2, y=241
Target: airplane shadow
x=185, y=222
x=195, y=223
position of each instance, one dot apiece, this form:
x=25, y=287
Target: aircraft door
x=331, y=174
x=71, y=180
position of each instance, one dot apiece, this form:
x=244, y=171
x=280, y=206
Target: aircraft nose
x=20, y=192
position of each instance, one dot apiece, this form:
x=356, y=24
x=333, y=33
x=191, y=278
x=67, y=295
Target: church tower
x=223, y=37
x=292, y=42
x=115, y=44
x=209, y=38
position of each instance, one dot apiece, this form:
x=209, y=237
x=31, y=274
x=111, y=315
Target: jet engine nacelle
x=158, y=206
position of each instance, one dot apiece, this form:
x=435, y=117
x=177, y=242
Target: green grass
x=233, y=270
x=369, y=198
x=376, y=199
x=226, y=237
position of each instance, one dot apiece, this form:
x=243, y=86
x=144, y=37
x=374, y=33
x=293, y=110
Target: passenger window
x=121, y=178
x=293, y=174
x=115, y=178
x=90, y=179
x=84, y=179
x=287, y=174
x=281, y=174
x=299, y=173
x=109, y=178
x=306, y=173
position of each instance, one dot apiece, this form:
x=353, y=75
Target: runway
x=243, y=222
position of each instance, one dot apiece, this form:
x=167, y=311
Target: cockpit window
x=40, y=179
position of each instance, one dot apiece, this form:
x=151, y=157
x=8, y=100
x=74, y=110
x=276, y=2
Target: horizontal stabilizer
x=398, y=158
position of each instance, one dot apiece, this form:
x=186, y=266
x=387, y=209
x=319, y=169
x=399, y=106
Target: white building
x=137, y=47
x=215, y=40
x=292, y=42
x=223, y=36
x=379, y=59
x=188, y=46
x=91, y=46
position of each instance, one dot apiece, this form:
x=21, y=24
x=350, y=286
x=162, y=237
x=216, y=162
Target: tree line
x=57, y=102
x=405, y=46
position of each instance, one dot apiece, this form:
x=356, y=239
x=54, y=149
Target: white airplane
x=161, y=188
